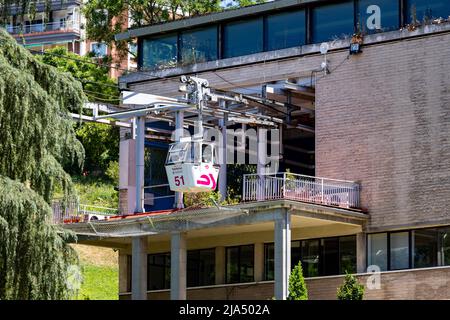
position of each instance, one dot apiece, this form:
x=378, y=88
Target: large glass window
x=158, y=271
x=444, y=247
x=201, y=267
x=378, y=15
x=240, y=264
x=425, y=248
x=332, y=21
x=399, y=250
x=159, y=52
x=285, y=30
x=242, y=37
x=310, y=258
x=269, y=261
x=378, y=251
x=347, y=254
x=330, y=256
x=426, y=9
x=199, y=45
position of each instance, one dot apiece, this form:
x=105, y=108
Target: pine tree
x=297, y=286
x=351, y=289
x=36, y=140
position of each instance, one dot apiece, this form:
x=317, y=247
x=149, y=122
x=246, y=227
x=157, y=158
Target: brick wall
x=383, y=118
x=411, y=284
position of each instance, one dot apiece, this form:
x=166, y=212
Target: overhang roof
x=215, y=17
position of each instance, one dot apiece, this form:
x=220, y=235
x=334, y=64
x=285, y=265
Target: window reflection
x=333, y=21
x=427, y=10
x=160, y=52
x=243, y=37
x=199, y=45
x=378, y=15
x=377, y=247
x=285, y=30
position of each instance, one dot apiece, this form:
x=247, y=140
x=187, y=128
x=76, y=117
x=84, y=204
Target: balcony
x=289, y=186
x=45, y=28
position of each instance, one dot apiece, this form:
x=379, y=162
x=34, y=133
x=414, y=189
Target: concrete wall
x=383, y=118
x=433, y=283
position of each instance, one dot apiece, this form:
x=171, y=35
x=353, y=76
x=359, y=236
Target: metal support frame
x=223, y=151
x=140, y=153
x=179, y=123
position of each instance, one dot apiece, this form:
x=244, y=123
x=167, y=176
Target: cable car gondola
x=191, y=166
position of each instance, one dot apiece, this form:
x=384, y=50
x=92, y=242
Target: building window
x=201, y=267
x=399, y=250
x=240, y=264
x=377, y=247
x=99, y=49
x=378, y=15
x=269, y=261
x=427, y=10
x=129, y=273
x=444, y=247
x=285, y=30
x=160, y=52
x=425, y=248
x=347, y=254
x=199, y=45
x=319, y=257
x=332, y=21
x=243, y=37
x=310, y=257
x=330, y=256
x=158, y=271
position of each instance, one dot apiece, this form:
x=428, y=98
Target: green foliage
x=96, y=191
x=351, y=289
x=36, y=139
x=297, y=286
x=201, y=199
x=113, y=172
x=100, y=141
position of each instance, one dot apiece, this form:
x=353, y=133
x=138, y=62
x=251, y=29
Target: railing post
x=284, y=185
x=322, y=190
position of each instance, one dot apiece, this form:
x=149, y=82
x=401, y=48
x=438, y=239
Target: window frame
x=239, y=263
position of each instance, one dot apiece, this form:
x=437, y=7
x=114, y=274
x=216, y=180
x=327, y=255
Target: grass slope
x=100, y=273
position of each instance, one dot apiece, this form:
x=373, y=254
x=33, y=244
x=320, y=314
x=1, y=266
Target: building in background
x=63, y=26
x=374, y=122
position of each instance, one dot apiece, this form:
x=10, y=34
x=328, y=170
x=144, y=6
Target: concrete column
x=178, y=261
x=361, y=252
x=220, y=265
x=282, y=254
x=259, y=262
x=140, y=152
x=123, y=272
x=139, y=268
x=127, y=172
x=223, y=154
x=179, y=123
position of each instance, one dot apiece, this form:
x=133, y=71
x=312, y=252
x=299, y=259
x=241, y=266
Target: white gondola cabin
x=191, y=167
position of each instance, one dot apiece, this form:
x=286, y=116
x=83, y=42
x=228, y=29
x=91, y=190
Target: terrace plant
x=351, y=289
x=297, y=286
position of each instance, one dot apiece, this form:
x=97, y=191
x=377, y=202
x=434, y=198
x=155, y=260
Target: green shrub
x=297, y=286
x=351, y=289
x=113, y=172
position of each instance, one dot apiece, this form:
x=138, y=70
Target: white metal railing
x=63, y=26
x=340, y=193
x=73, y=212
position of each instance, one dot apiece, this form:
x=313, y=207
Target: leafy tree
x=297, y=286
x=36, y=139
x=351, y=289
x=100, y=141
